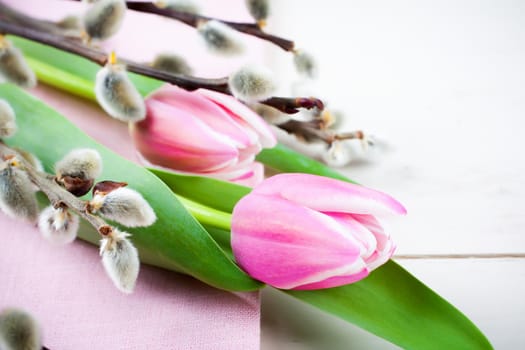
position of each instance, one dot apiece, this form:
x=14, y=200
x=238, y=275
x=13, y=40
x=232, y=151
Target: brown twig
x=56, y=194
x=313, y=130
x=64, y=43
x=193, y=20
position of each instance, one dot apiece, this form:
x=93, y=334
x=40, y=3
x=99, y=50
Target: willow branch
x=56, y=194
x=193, y=20
x=75, y=46
x=314, y=130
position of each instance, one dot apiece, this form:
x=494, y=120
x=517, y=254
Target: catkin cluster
x=75, y=176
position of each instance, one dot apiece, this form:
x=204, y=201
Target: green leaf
x=394, y=305
x=214, y=193
x=176, y=241
x=286, y=160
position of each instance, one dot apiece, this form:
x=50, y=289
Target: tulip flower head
x=300, y=231
x=202, y=132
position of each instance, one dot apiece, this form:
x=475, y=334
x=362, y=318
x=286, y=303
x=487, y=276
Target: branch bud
x=220, y=38
x=7, y=120
x=117, y=95
x=122, y=204
x=13, y=66
x=17, y=196
x=120, y=260
x=104, y=18
x=19, y=330
x=58, y=225
x=252, y=84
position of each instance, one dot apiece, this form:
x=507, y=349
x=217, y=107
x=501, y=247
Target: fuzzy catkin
x=259, y=9
x=186, y=6
x=117, y=95
x=13, y=66
x=305, y=64
x=252, y=84
x=171, y=63
x=17, y=195
x=338, y=154
x=58, y=226
x=125, y=206
x=19, y=331
x=220, y=38
x=7, y=120
x=83, y=163
x=120, y=260
x=104, y=18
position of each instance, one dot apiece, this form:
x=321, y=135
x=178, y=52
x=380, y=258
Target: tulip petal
x=189, y=145
x=205, y=110
x=359, y=231
x=375, y=227
x=286, y=245
x=234, y=107
x=253, y=177
x=335, y=281
x=329, y=195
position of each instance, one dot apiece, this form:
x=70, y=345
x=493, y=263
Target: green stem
x=62, y=79
x=206, y=215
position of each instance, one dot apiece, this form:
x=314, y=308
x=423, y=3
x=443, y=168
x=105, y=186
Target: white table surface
x=443, y=84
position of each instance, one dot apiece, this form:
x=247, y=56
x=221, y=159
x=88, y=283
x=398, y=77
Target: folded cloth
x=66, y=289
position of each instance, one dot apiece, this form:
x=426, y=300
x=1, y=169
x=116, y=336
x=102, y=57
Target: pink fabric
x=66, y=288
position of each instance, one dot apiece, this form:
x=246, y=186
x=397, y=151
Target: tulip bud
x=259, y=9
x=300, y=231
x=58, y=225
x=120, y=260
x=252, y=84
x=7, y=120
x=220, y=38
x=17, y=195
x=123, y=205
x=186, y=6
x=13, y=66
x=172, y=64
x=338, y=154
x=202, y=132
x=117, y=95
x=104, y=18
x=19, y=330
x=305, y=63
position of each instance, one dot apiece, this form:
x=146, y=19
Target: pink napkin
x=66, y=289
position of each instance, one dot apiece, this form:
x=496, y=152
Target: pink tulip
x=299, y=231
x=202, y=132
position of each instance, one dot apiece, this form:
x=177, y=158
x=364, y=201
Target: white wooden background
x=443, y=84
